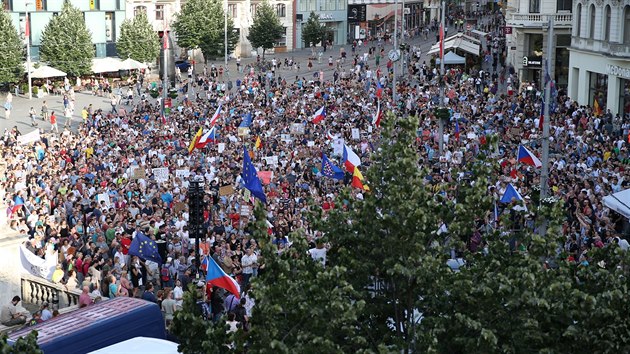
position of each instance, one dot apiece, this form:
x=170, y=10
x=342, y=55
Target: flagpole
x=395, y=48
x=27, y=32
x=544, y=174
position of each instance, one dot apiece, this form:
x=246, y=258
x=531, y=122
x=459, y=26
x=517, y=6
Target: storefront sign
x=357, y=13
x=619, y=71
x=532, y=62
x=326, y=17
x=507, y=30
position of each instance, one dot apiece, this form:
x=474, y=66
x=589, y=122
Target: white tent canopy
x=451, y=58
x=619, y=202
x=44, y=72
x=458, y=41
x=106, y=65
x=130, y=64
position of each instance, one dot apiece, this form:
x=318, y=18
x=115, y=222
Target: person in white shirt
x=319, y=253
x=248, y=262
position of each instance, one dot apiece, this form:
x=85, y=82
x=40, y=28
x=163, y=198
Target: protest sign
x=160, y=174
x=226, y=190
x=221, y=147
x=356, y=135
x=297, y=128
x=28, y=138
x=265, y=176
x=271, y=160
x=103, y=197
x=37, y=266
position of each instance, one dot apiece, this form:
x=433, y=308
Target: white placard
x=221, y=147
x=103, y=197
x=28, y=138
x=310, y=143
x=286, y=137
x=369, y=128
x=160, y=174
x=182, y=174
x=36, y=266
x=338, y=146
x=356, y=134
x=271, y=160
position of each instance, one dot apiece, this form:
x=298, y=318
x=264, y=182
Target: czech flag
x=209, y=137
x=319, y=115
x=217, y=277
x=350, y=159
x=379, y=89
x=195, y=140
x=376, y=119
x=216, y=115
x=204, y=264
x=527, y=157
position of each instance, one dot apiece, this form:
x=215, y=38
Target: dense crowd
x=86, y=194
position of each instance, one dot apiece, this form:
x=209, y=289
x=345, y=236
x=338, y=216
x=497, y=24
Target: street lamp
x=27, y=33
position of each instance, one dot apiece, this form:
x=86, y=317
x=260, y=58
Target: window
x=159, y=12
x=598, y=89
x=626, y=25
x=282, y=41
x=341, y=5
x=330, y=5
x=233, y=10
x=7, y=5
x=281, y=10
x=95, y=4
x=302, y=5
x=252, y=9
x=591, y=24
x=534, y=6
x=40, y=5
x=312, y=5
x=139, y=9
x=564, y=5
x=578, y=16
x=607, y=23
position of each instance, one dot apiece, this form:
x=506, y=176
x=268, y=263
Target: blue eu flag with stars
x=250, y=178
x=329, y=170
x=145, y=248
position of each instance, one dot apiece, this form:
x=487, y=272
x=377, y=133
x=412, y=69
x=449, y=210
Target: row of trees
x=386, y=287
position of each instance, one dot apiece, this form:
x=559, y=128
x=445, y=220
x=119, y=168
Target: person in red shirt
x=53, y=123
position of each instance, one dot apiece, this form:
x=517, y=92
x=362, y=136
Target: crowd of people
x=85, y=194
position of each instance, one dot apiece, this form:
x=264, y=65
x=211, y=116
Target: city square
x=316, y=176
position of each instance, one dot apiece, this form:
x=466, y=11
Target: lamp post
x=395, y=48
x=27, y=34
x=225, y=34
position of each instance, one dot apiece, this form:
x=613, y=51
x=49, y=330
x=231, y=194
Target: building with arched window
x=599, y=63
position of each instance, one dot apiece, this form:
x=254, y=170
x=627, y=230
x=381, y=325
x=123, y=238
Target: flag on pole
x=216, y=115
x=376, y=118
x=511, y=194
x=319, y=115
x=217, y=277
x=195, y=140
x=329, y=170
x=527, y=157
x=597, y=109
x=209, y=137
x=145, y=248
x=379, y=89
x=357, y=180
x=350, y=159
x=27, y=29
x=257, y=144
x=250, y=178
x=441, y=41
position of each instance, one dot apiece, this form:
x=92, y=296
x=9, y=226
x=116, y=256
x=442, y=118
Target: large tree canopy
x=200, y=24
x=266, y=29
x=138, y=40
x=67, y=43
x=12, y=50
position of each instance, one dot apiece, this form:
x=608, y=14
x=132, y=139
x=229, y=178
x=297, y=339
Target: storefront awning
x=479, y=33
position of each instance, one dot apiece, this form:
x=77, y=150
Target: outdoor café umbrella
x=105, y=65
x=130, y=64
x=44, y=72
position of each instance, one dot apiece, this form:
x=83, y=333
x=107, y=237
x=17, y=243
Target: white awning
x=619, y=202
x=479, y=33
x=460, y=42
x=105, y=65
x=451, y=58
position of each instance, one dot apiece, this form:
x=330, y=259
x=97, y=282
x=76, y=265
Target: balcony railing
x=606, y=48
x=36, y=291
x=539, y=20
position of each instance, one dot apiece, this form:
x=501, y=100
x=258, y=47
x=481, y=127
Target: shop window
x=233, y=10
x=578, y=16
x=564, y=5
x=282, y=41
x=109, y=27
x=591, y=22
x=607, y=23
x=598, y=89
x=281, y=10
x=534, y=6
x=626, y=24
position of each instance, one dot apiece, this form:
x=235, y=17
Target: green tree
x=200, y=24
x=11, y=69
x=138, y=40
x=67, y=43
x=266, y=29
x=27, y=344
x=313, y=32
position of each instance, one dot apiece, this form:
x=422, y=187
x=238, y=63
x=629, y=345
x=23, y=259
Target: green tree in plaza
x=313, y=32
x=67, y=43
x=266, y=29
x=200, y=24
x=138, y=40
x=26, y=344
x=11, y=69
